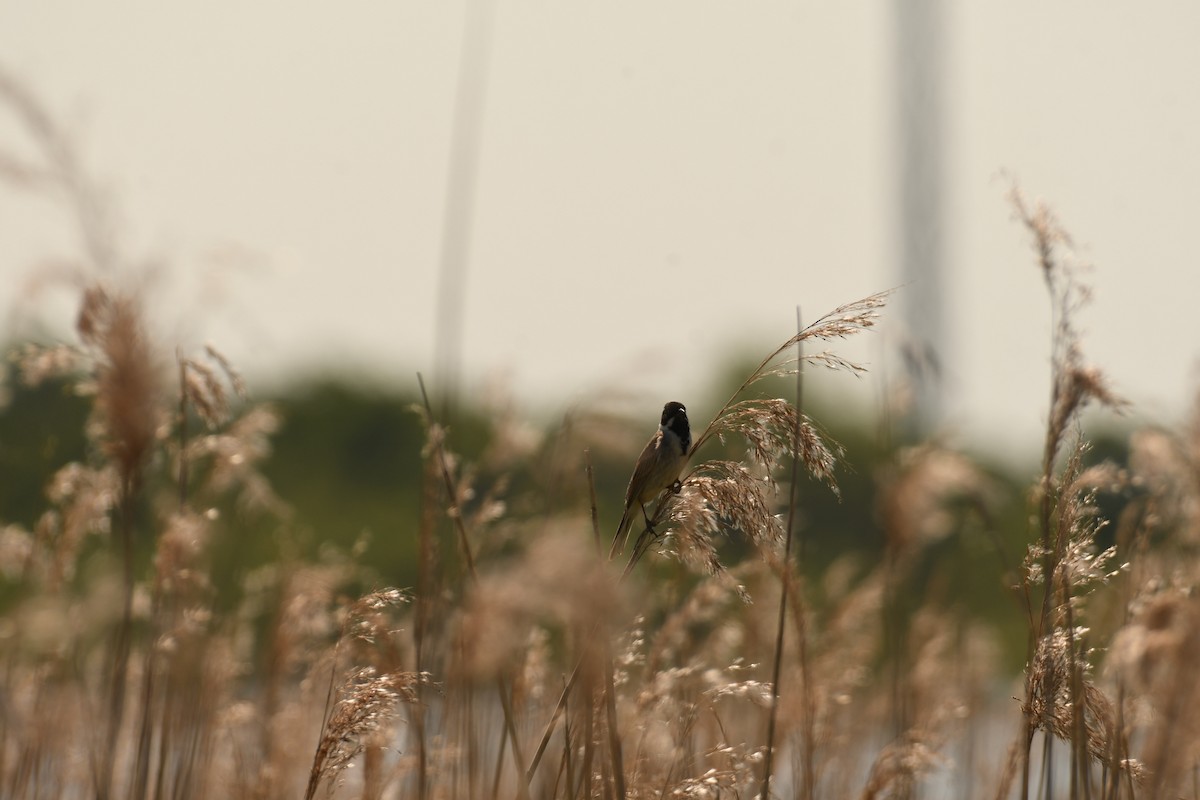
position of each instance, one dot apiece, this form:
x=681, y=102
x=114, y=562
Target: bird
x=657, y=468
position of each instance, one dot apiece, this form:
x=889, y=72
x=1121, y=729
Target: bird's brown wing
x=635, y=494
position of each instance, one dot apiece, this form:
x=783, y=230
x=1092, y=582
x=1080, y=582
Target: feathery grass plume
x=690, y=628
x=38, y=363
x=237, y=441
x=1055, y=706
x=685, y=720
x=121, y=372
x=121, y=367
x=290, y=607
x=844, y=642
x=775, y=417
x=128, y=409
x=1165, y=469
x=716, y=493
x=1061, y=696
x=1155, y=654
x=843, y=322
x=364, y=701
x=725, y=496
x=733, y=777
x=923, y=491
x=1077, y=565
x=83, y=499
x=227, y=462
x=16, y=552
x=556, y=583
x=1062, y=555
x=207, y=383
x=127, y=420
x=899, y=764
x=457, y=491
x=1074, y=384
x=188, y=671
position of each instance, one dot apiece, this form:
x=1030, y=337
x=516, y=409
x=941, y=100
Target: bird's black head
x=675, y=419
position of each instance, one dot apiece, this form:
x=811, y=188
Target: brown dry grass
x=523, y=664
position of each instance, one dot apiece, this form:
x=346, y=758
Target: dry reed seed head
x=1104, y=477
x=1077, y=386
x=921, y=494
x=128, y=414
x=1077, y=567
x=435, y=442
x=1161, y=639
x=512, y=440
x=845, y=320
x=95, y=312
x=729, y=497
x=236, y=382
x=1093, y=385
x=1048, y=233
x=631, y=645
x=1156, y=655
x=205, y=393
x=901, y=763
x=366, y=703
x=932, y=641
x=770, y=428
x=371, y=620
x=1051, y=703
x=1157, y=461
x=670, y=701
x=307, y=616
x=830, y=360
x=556, y=583
x=734, y=776
x=700, y=628
x=938, y=694
x=83, y=499
x=16, y=551
x=178, y=550
x=722, y=685
x=846, y=640
x=1080, y=566
x=37, y=364
x=234, y=456
x=1162, y=467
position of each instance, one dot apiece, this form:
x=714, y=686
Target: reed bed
x=711, y=662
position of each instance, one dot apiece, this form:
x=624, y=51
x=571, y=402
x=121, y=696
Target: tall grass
x=712, y=663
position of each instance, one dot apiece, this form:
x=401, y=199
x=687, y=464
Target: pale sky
x=659, y=184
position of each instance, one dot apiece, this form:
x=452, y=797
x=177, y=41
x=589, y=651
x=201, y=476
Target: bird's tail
x=618, y=544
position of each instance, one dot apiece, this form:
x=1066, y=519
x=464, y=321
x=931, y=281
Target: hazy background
x=656, y=186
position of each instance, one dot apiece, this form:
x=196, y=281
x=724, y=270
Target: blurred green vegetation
x=347, y=460
x=41, y=428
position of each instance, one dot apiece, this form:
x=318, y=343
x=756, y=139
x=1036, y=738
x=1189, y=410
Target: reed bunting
x=657, y=468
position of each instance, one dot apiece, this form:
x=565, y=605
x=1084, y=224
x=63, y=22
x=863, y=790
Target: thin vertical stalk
x=784, y=590
x=427, y=589
x=473, y=576
x=610, y=700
